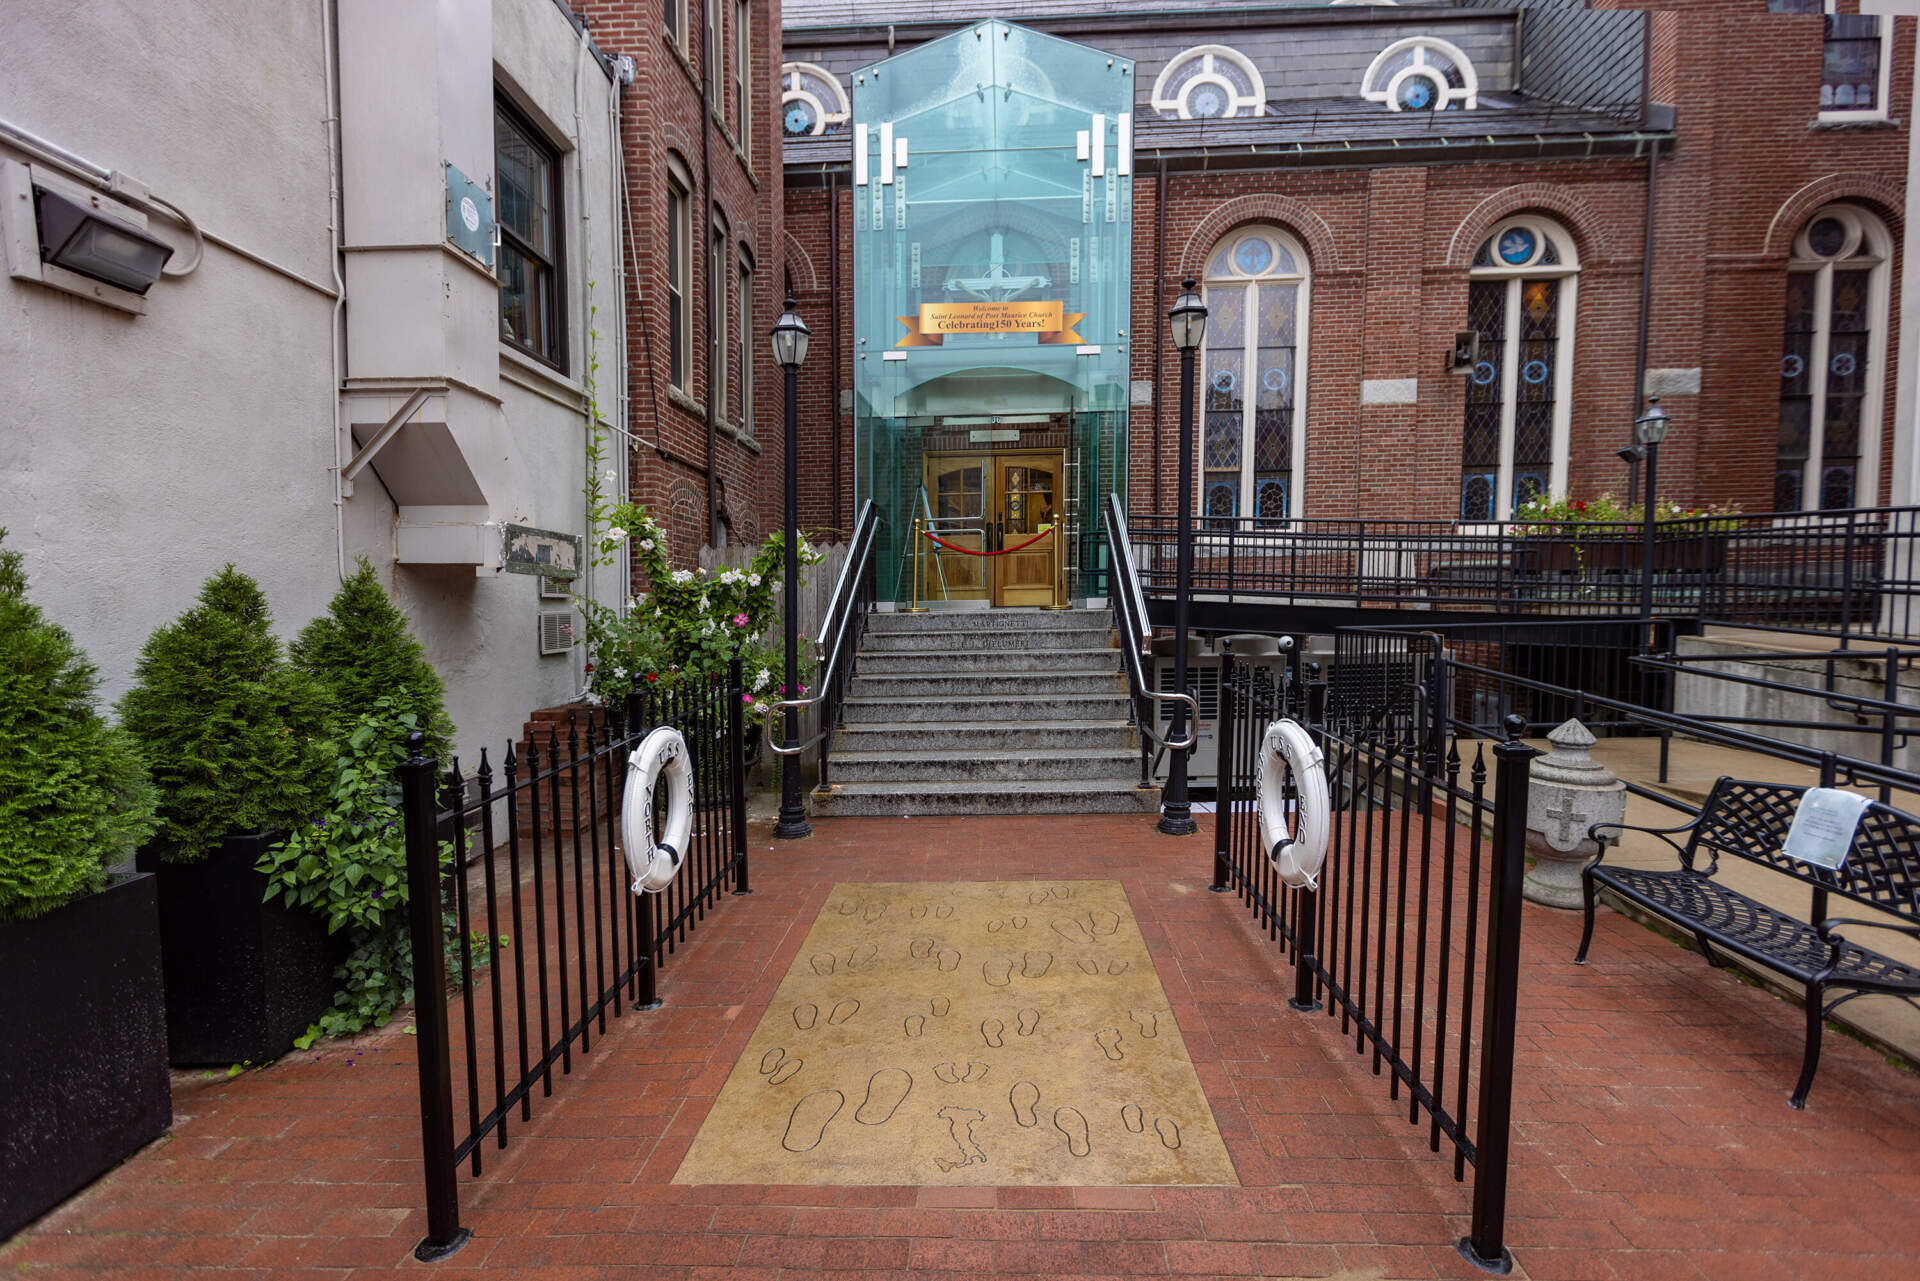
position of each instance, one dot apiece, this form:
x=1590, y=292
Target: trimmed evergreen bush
x=361, y=651
x=74, y=794
x=232, y=731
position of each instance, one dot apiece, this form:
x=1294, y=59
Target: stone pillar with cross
x=1571, y=792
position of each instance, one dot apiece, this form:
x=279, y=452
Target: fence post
x=1224, y=769
x=737, y=769
x=421, y=816
x=1485, y=1246
x=1305, y=957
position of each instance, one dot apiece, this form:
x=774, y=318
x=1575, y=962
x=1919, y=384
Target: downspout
x=588, y=410
x=329, y=36
x=833, y=325
x=708, y=47
x=1646, y=309
x=1159, y=319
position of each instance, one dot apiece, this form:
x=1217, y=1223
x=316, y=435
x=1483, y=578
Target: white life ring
x=1296, y=852
x=661, y=756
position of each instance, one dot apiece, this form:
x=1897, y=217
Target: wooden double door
x=998, y=503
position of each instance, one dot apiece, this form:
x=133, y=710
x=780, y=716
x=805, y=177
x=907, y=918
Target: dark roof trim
x=1217, y=21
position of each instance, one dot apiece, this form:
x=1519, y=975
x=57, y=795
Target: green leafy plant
x=1545, y=516
x=74, y=794
x=362, y=651
x=694, y=622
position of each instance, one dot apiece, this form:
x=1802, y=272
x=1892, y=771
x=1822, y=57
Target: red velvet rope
x=938, y=542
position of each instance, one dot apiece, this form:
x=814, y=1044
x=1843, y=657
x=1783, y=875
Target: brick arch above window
x=799, y=263
x=1294, y=215
x=1884, y=196
x=1565, y=207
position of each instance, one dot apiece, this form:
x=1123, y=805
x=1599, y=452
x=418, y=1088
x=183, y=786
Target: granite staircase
x=1005, y=711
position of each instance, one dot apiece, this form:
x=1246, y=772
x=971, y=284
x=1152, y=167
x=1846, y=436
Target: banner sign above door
x=1049, y=321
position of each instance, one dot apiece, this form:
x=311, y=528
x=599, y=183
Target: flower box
x=84, y=1046
x=1615, y=553
x=244, y=976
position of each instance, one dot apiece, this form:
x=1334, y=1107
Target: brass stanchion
x=1059, y=565
x=916, y=607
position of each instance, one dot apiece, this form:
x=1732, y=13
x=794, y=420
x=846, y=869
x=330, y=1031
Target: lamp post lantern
x=1188, y=320
x=1649, y=429
x=789, y=337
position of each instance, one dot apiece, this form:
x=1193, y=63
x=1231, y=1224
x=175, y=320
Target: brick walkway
x=1653, y=1137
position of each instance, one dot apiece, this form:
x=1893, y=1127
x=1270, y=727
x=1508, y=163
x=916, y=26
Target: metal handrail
x=1138, y=633
x=852, y=574
x=846, y=566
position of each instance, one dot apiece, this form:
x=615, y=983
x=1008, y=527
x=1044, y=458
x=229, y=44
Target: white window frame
x=825, y=114
x=1254, y=104
x=718, y=291
x=676, y=26
x=680, y=221
x=1879, y=110
x=1302, y=276
x=1467, y=96
x=742, y=80
x=1567, y=272
x=1868, y=233
x=743, y=289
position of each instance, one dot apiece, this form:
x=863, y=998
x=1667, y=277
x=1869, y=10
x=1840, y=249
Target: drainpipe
x=833, y=326
x=329, y=38
x=1646, y=308
x=708, y=47
x=1159, y=317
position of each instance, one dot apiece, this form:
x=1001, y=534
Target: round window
x=1207, y=102
x=1827, y=237
x=798, y=117
x=1516, y=247
x=1253, y=256
x=1418, y=93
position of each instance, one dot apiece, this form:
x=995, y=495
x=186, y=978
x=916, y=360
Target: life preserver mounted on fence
x=660, y=758
x=1296, y=852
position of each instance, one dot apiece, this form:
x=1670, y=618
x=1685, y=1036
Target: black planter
x=83, y=1046
x=244, y=977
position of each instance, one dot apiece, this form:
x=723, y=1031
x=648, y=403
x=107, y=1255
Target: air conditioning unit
x=552, y=588
x=556, y=631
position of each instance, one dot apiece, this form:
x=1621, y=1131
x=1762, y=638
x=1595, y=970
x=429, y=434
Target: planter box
x=1614, y=554
x=244, y=977
x=83, y=1046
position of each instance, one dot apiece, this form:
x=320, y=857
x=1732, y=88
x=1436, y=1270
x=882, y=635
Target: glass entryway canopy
x=992, y=191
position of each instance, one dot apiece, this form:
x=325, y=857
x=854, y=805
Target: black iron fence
x=1853, y=573
x=1411, y=937
x=523, y=878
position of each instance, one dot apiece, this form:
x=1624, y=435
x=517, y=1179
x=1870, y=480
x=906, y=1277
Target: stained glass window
x=811, y=100
x=1828, y=392
x=1256, y=296
x=1513, y=436
x=1209, y=82
x=1421, y=73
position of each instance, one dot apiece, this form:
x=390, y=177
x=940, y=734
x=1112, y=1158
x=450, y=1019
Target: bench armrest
x=1828, y=927
x=1664, y=833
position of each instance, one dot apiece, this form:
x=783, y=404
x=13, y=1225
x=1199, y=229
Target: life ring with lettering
x=659, y=761
x=1296, y=851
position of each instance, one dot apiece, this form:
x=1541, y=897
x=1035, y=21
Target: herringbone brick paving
x=1652, y=1133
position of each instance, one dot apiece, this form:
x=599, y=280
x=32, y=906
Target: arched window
x=1520, y=297
x=1421, y=73
x=1834, y=345
x=1253, y=367
x=1210, y=82
x=811, y=100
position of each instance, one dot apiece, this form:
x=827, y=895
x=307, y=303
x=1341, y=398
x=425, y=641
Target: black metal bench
x=1750, y=821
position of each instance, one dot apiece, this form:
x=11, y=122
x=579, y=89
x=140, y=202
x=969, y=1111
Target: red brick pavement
x=1653, y=1137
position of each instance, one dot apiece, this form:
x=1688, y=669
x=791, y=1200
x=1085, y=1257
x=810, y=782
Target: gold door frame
x=963, y=487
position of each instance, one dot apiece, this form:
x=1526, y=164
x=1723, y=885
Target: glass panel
x=1273, y=399
x=1796, y=391
x=1419, y=93
x=1389, y=69
x=676, y=287
x=1480, y=434
x=1850, y=66
x=1223, y=400
x=520, y=312
x=1846, y=385
x=1539, y=323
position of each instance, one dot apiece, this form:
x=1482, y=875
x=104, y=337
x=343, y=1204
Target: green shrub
x=362, y=651
x=74, y=794
x=233, y=734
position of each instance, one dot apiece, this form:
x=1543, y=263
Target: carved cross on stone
x=1572, y=824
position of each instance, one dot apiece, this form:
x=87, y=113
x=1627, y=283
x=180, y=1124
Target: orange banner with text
x=1049, y=321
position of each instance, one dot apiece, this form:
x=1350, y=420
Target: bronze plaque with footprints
x=974, y=1032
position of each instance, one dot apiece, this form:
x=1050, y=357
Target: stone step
x=993, y=620
x=869, y=709
x=1039, y=685
x=907, y=800
x=946, y=661
x=973, y=639
x=984, y=767
x=880, y=737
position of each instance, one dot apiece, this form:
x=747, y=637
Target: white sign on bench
x=1823, y=826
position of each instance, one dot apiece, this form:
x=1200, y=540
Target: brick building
x=1372, y=180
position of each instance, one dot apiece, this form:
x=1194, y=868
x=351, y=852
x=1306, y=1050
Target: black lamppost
x=1189, y=323
x=1649, y=429
x=789, y=337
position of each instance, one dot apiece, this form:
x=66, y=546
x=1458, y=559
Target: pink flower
x=746, y=698
x=739, y=620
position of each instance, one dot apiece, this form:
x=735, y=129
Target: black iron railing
x=524, y=881
x=841, y=629
x=1851, y=574
x=1136, y=646
x=1411, y=937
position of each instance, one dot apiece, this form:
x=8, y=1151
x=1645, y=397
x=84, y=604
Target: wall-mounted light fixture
x=96, y=244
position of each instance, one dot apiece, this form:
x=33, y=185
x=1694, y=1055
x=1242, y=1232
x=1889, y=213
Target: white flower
x=753, y=580
x=616, y=533
x=1676, y=509
x=656, y=611
x=682, y=576
x=609, y=475
x=761, y=678
x=633, y=603
x=646, y=544
x=703, y=604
